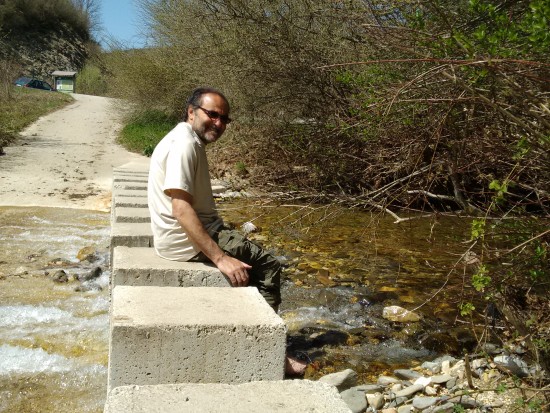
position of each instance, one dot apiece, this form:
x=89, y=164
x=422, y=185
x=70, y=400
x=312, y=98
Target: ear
x=190, y=113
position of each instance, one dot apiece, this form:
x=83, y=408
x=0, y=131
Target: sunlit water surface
x=53, y=340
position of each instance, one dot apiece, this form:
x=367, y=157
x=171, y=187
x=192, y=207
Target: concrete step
x=167, y=335
x=129, y=193
x=141, y=186
x=130, y=178
x=132, y=170
x=129, y=201
x=142, y=266
x=130, y=234
x=288, y=396
x=127, y=214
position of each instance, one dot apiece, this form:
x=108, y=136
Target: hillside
x=39, y=37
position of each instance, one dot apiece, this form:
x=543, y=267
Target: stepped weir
x=181, y=339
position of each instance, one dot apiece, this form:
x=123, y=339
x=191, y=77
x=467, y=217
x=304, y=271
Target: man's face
x=207, y=129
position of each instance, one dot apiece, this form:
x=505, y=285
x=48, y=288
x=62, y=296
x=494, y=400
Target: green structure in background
x=64, y=81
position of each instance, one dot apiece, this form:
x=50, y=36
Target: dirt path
x=66, y=159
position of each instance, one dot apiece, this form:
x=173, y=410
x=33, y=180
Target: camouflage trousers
x=266, y=269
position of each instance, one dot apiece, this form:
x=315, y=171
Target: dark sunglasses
x=215, y=115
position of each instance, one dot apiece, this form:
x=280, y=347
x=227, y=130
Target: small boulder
x=92, y=275
x=512, y=364
x=59, y=262
x=88, y=286
x=376, y=400
x=399, y=314
x=60, y=277
x=88, y=253
x=355, y=400
x=342, y=380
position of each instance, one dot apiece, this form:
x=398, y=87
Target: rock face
x=38, y=54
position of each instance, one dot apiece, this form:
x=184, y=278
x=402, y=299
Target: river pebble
x=513, y=364
x=440, y=393
x=356, y=400
x=342, y=380
x=422, y=403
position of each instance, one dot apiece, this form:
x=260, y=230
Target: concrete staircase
x=181, y=340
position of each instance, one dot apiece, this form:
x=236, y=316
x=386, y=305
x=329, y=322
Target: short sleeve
x=181, y=166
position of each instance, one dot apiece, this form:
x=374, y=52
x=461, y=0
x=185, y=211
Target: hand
x=235, y=270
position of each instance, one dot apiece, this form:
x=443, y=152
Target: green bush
x=91, y=81
x=144, y=130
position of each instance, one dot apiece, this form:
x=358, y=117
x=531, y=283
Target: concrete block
x=141, y=186
x=288, y=396
x=135, y=170
x=130, y=178
x=123, y=234
x=129, y=202
x=123, y=175
x=142, y=266
x=127, y=214
x=166, y=335
x=129, y=193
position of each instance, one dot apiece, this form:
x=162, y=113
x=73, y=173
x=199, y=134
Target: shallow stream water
x=342, y=268
x=53, y=340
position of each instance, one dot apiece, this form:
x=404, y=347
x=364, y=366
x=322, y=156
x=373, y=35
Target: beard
x=208, y=134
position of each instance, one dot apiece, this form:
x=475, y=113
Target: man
x=185, y=223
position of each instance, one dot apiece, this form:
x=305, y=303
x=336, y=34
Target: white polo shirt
x=179, y=162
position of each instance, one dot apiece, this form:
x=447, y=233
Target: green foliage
x=538, y=270
x=458, y=408
x=20, y=16
x=477, y=229
x=466, y=309
x=501, y=188
x=24, y=107
x=507, y=32
x=522, y=149
x=531, y=406
x=91, y=81
x=481, y=279
x=241, y=168
x=501, y=388
x=145, y=130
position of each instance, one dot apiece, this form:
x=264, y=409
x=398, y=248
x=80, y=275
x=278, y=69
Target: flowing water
x=53, y=340
x=342, y=268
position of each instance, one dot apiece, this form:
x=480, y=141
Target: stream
x=342, y=268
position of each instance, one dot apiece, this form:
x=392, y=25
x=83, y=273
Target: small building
x=64, y=81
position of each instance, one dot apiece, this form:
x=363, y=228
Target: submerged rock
x=60, y=276
x=59, y=262
x=88, y=286
x=399, y=314
x=88, y=253
x=92, y=275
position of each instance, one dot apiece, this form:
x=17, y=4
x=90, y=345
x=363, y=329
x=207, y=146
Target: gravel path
x=66, y=158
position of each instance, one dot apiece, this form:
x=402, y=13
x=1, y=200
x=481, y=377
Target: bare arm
x=183, y=211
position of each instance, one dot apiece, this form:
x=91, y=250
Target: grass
x=23, y=107
x=144, y=130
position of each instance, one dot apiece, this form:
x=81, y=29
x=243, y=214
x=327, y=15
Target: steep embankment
x=38, y=54
x=38, y=37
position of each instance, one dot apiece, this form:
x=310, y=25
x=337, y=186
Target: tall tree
x=92, y=10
